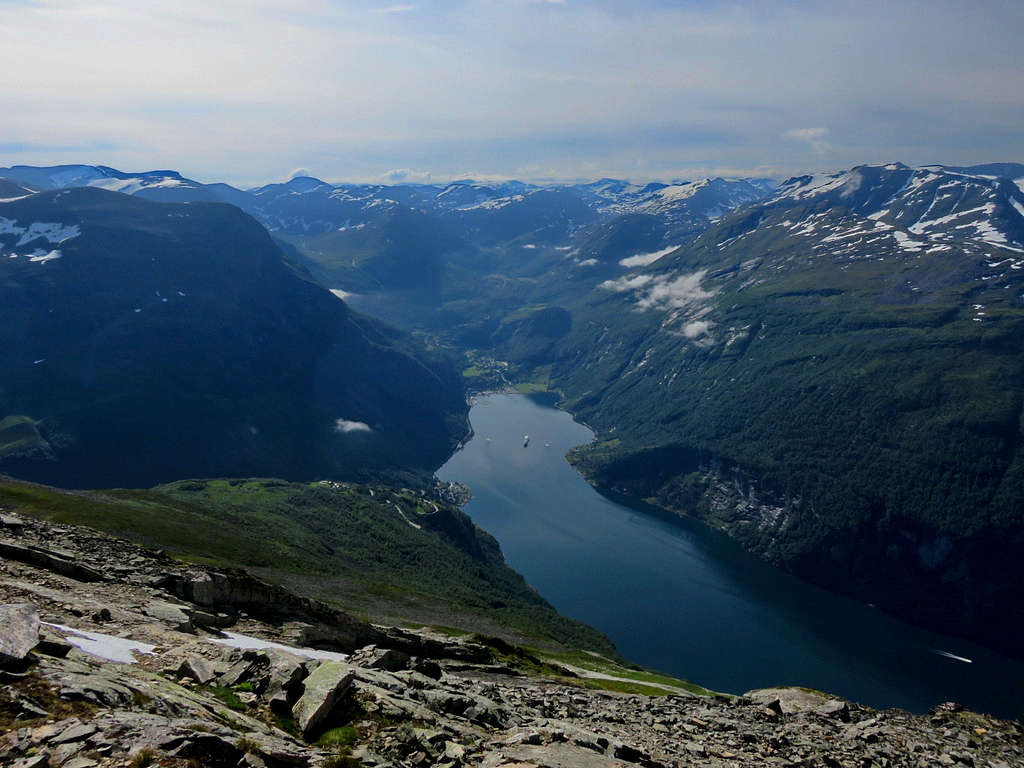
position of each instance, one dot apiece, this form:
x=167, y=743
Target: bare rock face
x=19, y=633
x=322, y=691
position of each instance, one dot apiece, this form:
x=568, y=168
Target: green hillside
x=149, y=342
x=382, y=553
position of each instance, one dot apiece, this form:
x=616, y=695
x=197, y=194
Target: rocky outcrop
x=19, y=633
x=321, y=693
x=411, y=699
x=58, y=562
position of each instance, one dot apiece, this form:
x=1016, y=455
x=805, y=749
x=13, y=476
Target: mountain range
x=833, y=376
x=828, y=368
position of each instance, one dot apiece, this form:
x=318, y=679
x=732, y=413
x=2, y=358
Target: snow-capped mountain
x=923, y=208
x=65, y=176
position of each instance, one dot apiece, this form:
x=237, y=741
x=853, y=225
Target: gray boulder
x=197, y=669
x=322, y=691
x=19, y=632
x=281, y=683
x=372, y=657
x=173, y=615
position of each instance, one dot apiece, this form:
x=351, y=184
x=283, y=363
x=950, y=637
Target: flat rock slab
x=322, y=691
x=558, y=756
x=19, y=632
x=793, y=700
x=173, y=615
x=78, y=732
x=36, y=761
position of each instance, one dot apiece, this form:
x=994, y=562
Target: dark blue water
x=683, y=599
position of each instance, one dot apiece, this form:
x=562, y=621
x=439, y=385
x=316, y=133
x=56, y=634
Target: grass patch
x=344, y=735
x=225, y=696
x=286, y=723
x=247, y=746
x=144, y=757
x=532, y=387
x=622, y=687
x=633, y=675
x=19, y=434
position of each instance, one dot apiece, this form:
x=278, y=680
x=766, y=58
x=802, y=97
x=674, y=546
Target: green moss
x=341, y=736
x=225, y=696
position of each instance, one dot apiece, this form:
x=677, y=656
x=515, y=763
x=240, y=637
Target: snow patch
x=52, y=232
x=109, y=647
x=42, y=258
x=245, y=642
x=904, y=242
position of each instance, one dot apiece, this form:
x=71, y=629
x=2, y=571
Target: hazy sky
x=249, y=90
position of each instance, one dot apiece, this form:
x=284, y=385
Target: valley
x=825, y=370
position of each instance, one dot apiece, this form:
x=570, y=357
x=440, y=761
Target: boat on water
x=526, y=440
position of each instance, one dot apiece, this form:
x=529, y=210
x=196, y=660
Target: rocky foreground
x=115, y=655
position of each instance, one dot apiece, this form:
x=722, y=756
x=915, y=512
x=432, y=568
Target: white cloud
x=696, y=328
x=395, y=9
x=643, y=259
x=663, y=291
x=671, y=90
x=627, y=283
x=682, y=292
x=816, y=138
x=345, y=426
x=400, y=175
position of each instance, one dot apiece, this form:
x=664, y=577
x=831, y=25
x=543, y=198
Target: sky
x=249, y=91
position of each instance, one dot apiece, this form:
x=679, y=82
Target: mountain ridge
x=152, y=304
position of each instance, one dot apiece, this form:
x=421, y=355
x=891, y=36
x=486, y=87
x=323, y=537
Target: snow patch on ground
x=921, y=226
x=42, y=258
x=52, y=232
x=244, y=642
x=905, y=243
x=132, y=185
x=109, y=647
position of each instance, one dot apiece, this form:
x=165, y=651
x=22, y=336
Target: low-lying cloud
x=815, y=138
x=406, y=175
x=643, y=259
x=683, y=296
x=346, y=427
